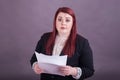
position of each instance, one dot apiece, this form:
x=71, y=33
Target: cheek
x=57, y=24
x=70, y=28
x=70, y=25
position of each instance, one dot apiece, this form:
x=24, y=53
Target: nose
x=63, y=22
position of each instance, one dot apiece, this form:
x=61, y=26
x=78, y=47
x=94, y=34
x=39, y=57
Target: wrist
x=74, y=71
x=79, y=73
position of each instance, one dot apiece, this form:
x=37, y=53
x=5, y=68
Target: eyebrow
x=65, y=17
x=59, y=17
x=68, y=17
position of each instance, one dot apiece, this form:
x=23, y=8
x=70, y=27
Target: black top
x=82, y=58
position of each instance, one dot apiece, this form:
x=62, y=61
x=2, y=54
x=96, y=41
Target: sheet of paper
x=51, y=64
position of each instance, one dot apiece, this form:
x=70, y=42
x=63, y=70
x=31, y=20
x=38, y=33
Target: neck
x=63, y=35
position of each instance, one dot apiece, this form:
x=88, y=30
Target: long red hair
x=69, y=47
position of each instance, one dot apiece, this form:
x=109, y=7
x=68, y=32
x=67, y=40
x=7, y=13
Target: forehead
x=65, y=15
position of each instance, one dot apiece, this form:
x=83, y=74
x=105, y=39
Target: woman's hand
x=68, y=70
x=36, y=68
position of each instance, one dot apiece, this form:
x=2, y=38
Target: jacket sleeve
x=86, y=60
x=38, y=49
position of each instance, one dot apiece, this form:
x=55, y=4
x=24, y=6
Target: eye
x=67, y=20
x=59, y=19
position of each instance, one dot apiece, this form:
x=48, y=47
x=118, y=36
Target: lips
x=62, y=27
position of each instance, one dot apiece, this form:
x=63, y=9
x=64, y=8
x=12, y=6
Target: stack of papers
x=51, y=64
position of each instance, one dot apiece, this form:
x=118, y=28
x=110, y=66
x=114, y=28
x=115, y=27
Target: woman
x=64, y=40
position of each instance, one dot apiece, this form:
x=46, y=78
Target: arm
x=39, y=49
x=86, y=60
x=33, y=60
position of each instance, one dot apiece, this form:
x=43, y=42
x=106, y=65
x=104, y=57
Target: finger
x=38, y=71
x=66, y=73
x=64, y=68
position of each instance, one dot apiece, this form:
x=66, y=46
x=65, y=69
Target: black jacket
x=82, y=58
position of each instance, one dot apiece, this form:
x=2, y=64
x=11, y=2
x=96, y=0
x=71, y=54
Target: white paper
x=51, y=64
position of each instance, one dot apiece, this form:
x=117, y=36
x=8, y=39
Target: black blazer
x=82, y=58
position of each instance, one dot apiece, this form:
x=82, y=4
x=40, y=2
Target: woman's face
x=64, y=23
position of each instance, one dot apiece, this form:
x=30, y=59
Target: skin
x=64, y=24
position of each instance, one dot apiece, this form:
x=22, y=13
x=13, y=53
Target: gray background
x=22, y=22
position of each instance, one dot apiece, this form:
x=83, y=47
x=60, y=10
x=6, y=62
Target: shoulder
x=80, y=38
x=46, y=35
x=81, y=41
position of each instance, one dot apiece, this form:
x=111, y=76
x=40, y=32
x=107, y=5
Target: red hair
x=69, y=47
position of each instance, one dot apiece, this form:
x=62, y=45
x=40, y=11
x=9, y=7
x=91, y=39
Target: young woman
x=64, y=40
